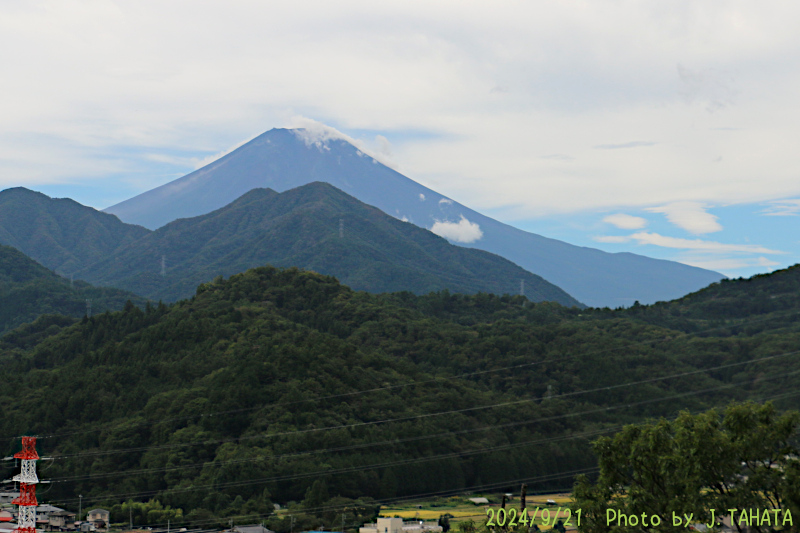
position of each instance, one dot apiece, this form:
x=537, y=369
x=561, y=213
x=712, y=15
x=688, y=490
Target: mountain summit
x=283, y=159
x=317, y=227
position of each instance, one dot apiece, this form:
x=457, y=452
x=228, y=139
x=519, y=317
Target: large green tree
x=656, y=474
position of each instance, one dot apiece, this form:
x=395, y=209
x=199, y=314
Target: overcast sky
x=668, y=129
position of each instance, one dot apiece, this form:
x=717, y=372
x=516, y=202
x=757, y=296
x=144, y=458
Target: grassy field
x=462, y=509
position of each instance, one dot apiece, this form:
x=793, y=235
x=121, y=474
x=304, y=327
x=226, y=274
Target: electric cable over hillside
x=434, y=414
x=426, y=437
x=672, y=336
x=396, y=462
x=471, y=489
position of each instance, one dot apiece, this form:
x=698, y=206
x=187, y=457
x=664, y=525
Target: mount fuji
x=283, y=159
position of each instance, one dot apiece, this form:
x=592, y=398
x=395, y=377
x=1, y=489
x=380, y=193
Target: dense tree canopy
x=262, y=384
x=697, y=468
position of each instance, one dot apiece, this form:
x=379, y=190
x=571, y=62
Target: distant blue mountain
x=283, y=159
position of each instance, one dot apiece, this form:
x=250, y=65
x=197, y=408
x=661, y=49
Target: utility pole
x=80, y=506
x=522, y=503
x=130, y=515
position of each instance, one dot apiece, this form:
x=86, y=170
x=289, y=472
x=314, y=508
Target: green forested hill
x=28, y=290
x=60, y=233
x=762, y=302
x=301, y=227
x=262, y=384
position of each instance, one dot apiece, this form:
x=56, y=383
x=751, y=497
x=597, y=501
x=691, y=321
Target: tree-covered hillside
x=316, y=227
x=261, y=384
x=60, y=233
x=29, y=290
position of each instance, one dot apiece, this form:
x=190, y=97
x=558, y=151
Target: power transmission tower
x=88, y=308
x=163, y=265
x=341, y=228
x=72, y=281
x=522, y=287
x=26, y=519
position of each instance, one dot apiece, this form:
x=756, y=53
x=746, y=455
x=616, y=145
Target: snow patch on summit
x=317, y=134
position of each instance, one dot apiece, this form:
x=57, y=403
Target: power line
x=665, y=338
x=428, y=415
x=421, y=437
x=547, y=477
x=411, y=461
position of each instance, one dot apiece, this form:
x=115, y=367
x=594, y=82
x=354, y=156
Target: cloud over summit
x=462, y=231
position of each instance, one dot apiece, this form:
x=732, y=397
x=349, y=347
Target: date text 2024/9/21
x=512, y=518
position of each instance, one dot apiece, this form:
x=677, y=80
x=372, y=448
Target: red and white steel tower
x=26, y=520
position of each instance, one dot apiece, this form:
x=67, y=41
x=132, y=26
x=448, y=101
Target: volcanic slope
x=315, y=227
x=283, y=159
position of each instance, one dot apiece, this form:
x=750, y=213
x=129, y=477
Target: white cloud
x=461, y=231
x=623, y=221
x=92, y=85
x=612, y=239
x=315, y=133
x=445, y=201
x=783, y=208
x=632, y=144
x=421, y=197
x=558, y=157
x=691, y=216
x=730, y=263
x=699, y=244
x=711, y=86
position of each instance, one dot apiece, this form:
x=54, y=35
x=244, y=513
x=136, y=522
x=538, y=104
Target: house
x=256, y=528
x=396, y=525
x=44, y=510
x=479, y=501
x=99, y=517
x=6, y=497
x=62, y=520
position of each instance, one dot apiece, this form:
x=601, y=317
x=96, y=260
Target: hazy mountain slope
x=284, y=159
x=301, y=227
x=28, y=290
x=60, y=233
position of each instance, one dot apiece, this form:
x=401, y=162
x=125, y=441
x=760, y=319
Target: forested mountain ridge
x=259, y=384
x=283, y=159
x=28, y=290
x=60, y=233
x=316, y=227
x=764, y=301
